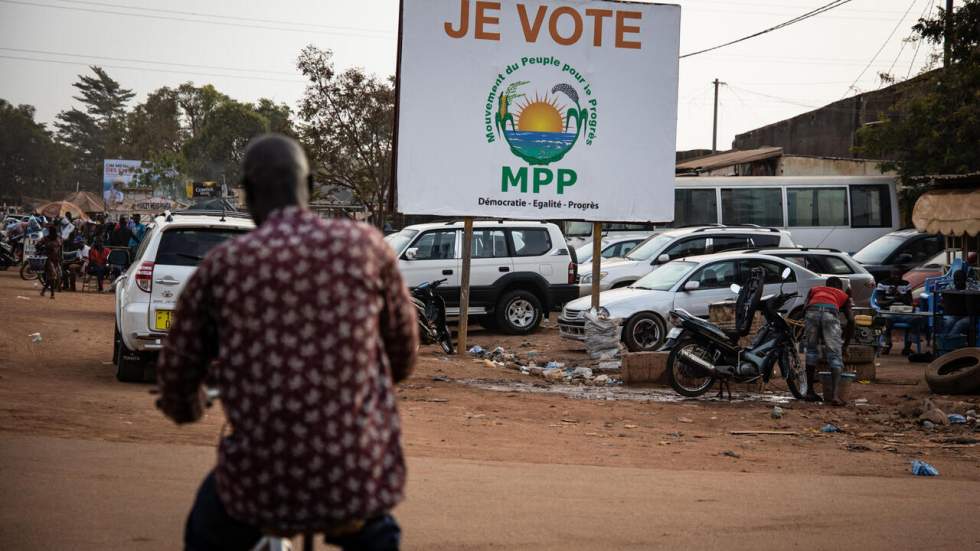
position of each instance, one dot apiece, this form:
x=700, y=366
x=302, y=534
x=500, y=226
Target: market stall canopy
x=951, y=212
x=86, y=201
x=58, y=209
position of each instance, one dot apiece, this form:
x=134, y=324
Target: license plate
x=164, y=318
x=674, y=333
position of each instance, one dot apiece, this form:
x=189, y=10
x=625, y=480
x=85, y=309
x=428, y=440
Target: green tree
x=938, y=130
x=218, y=146
x=31, y=163
x=347, y=121
x=153, y=126
x=196, y=104
x=97, y=130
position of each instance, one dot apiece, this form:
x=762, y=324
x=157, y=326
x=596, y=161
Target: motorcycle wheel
x=685, y=379
x=789, y=362
x=26, y=272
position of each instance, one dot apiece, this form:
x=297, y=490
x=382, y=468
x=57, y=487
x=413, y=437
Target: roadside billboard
x=203, y=189
x=537, y=109
x=121, y=174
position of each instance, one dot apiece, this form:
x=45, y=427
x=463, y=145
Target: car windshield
x=584, y=253
x=878, y=250
x=649, y=248
x=665, y=277
x=400, y=240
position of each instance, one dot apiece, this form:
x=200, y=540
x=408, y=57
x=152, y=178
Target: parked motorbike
x=432, y=315
x=8, y=254
x=701, y=353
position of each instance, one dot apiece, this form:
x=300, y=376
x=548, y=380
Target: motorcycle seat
x=710, y=327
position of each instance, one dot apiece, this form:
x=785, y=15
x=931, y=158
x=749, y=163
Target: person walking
x=824, y=304
x=51, y=274
x=305, y=369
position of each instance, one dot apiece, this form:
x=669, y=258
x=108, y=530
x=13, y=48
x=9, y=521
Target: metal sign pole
x=464, y=285
x=596, y=262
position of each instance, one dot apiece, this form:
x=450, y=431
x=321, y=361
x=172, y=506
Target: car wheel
x=518, y=313
x=129, y=364
x=116, y=339
x=644, y=333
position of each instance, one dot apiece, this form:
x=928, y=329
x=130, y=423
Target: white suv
x=146, y=294
x=519, y=271
x=681, y=243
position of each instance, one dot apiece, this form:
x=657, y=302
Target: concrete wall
x=791, y=165
x=831, y=130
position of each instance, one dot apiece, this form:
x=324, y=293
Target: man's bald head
x=276, y=174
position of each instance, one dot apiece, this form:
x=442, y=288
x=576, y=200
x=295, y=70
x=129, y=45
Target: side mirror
x=663, y=259
x=692, y=285
x=736, y=288
x=786, y=273
x=411, y=253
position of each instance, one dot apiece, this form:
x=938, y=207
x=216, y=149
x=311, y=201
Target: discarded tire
x=955, y=373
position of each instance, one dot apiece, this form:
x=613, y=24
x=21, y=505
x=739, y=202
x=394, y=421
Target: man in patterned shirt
x=303, y=326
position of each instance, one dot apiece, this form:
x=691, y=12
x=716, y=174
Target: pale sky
x=249, y=49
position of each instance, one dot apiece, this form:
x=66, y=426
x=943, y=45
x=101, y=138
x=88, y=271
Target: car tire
x=129, y=364
x=955, y=373
x=644, y=332
x=518, y=313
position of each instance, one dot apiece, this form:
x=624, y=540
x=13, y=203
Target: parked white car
x=690, y=283
x=146, y=294
x=612, y=247
x=519, y=272
x=681, y=243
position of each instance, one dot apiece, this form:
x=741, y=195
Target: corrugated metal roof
x=729, y=158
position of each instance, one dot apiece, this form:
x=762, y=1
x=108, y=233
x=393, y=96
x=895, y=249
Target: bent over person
x=305, y=369
x=824, y=305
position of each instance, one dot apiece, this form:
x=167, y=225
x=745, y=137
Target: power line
x=885, y=43
x=188, y=20
x=918, y=43
x=147, y=69
x=905, y=42
x=151, y=62
x=223, y=16
x=807, y=15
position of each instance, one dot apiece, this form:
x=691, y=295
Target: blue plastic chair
x=911, y=325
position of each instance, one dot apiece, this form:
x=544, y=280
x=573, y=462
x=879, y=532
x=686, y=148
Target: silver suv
x=146, y=294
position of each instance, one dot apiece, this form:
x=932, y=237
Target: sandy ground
x=523, y=465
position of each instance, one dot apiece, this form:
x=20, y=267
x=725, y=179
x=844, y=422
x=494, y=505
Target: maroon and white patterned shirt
x=303, y=325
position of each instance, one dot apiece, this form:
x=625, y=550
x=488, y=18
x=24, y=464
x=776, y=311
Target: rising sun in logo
x=540, y=115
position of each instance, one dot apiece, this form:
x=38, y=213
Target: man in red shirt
x=305, y=369
x=98, y=257
x=823, y=332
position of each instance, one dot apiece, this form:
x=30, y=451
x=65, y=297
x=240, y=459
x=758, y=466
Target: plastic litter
x=35, y=337
x=22, y=298
x=582, y=373
x=830, y=427
x=554, y=365
x=928, y=425
x=777, y=412
x=921, y=468
x=956, y=419
x=477, y=350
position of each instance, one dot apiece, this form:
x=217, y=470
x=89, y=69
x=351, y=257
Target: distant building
x=773, y=161
x=831, y=131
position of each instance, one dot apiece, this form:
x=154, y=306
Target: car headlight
x=602, y=313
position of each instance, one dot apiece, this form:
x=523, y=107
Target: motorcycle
x=432, y=315
x=701, y=353
x=8, y=254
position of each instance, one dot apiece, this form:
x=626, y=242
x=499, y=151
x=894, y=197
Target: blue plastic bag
x=477, y=350
x=921, y=468
x=830, y=427
x=956, y=419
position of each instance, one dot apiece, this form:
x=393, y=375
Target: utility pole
x=948, y=39
x=714, y=127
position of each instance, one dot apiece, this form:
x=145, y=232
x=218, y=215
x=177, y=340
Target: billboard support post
x=596, y=263
x=464, y=286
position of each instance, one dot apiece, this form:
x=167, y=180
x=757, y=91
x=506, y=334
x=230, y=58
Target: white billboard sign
x=538, y=109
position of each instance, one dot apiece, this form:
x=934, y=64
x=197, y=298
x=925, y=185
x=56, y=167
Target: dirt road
x=527, y=465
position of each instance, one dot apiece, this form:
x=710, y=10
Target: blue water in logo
x=544, y=147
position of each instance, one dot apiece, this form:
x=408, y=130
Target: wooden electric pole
x=714, y=126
